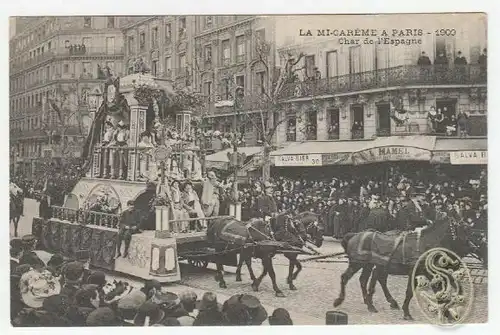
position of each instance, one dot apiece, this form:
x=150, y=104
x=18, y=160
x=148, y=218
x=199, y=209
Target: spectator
x=424, y=59
x=280, y=317
x=463, y=124
x=210, y=313
x=460, y=59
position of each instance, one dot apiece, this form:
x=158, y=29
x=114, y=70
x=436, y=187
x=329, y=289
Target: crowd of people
x=65, y=293
x=344, y=204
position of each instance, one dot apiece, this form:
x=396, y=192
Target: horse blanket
x=228, y=230
x=383, y=248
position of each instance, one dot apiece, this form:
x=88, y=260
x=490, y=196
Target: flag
x=94, y=134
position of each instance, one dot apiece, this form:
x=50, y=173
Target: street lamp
x=236, y=159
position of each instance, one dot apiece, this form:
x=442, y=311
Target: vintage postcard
x=230, y=170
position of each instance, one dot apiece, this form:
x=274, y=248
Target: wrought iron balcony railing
x=389, y=77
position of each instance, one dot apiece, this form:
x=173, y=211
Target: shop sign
x=298, y=160
x=336, y=158
x=469, y=157
x=391, y=153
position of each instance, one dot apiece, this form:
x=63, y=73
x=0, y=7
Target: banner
x=337, y=158
x=391, y=154
x=299, y=160
x=469, y=157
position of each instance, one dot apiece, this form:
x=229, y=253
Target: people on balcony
x=424, y=60
x=333, y=130
x=357, y=129
x=463, y=124
x=441, y=59
x=451, y=126
x=192, y=205
x=440, y=121
x=431, y=117
x=460, y=59
x=483, y=61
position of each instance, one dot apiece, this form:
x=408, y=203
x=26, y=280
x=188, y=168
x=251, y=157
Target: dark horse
x=15, y=206
x=256, y=238
x=395, y=254
x=294, y=231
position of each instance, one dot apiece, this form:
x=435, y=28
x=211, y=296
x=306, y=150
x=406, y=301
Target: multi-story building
x=226, y=54
x=165, y=44
x=344, y=83
x=54, y=62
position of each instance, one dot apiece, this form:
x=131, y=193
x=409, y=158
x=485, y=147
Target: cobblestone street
x=319, y=284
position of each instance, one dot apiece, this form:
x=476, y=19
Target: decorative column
x=138, y=107
x=95, y=100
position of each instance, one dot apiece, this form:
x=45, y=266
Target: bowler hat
x=129, y=304
x=102, y=316
x=16, y=243
x=280, y=317
x=257, y=311
x=165, y=299
x=208, y=301
x=73, y=272
x=98, y=278
x=149, y=310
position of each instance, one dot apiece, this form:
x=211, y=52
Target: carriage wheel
x=198, y=263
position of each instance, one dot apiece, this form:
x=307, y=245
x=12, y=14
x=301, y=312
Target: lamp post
x=236, y=159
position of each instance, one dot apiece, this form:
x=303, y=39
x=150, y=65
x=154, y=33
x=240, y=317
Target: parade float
x=137, y=146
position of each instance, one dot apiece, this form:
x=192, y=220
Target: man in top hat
x=129, y=224
x=412, y=215
x=266, y=205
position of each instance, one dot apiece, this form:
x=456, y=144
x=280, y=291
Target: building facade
x=349, y=90
x=54, y=63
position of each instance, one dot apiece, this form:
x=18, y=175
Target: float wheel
x=198, y=263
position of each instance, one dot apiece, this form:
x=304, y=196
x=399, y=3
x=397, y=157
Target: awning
x=219, y=160
x=396, y=148
x=317, y=153
x=461, y=151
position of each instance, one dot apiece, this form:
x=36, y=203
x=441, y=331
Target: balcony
x=391, y=77
x=357, y=134
x=77, y=50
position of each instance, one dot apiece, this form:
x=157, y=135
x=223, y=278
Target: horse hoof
x=372, y=309
x=408, y=317
x=238, y=278
x=293, y=288
x=394, y=305
x=338, y=302
x=222, y=285
x=280, y=294
x=255, y=287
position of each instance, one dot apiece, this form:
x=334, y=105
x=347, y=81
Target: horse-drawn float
x=134, y=156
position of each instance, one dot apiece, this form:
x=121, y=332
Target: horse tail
x=346, y=239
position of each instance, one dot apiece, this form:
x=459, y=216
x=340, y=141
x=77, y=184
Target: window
x=87, y=70
x=333, y=123
x=168, y=33
x=66, y=68
x=207, y=90
x=182, y=28
x=142, y=41
x=87, y=22
x=154, y=37
x=154, y=67
x=182, y=61
x=208, y=22
x=310, y=66
x=260, y=35
x=49, y=45
x=110, y=45
x=111, y=65
x=261, y=82
x=43, y=51
x=168, y=67
x=240, y=82
x=291, y=126
x=332, y=64
x=355, y=59
x=47, y=72
x=86, y=42
x=226, y=52
x=240, y=49
x=381, y=57
x=208, y=54
x=111, y=21
x=131, y=45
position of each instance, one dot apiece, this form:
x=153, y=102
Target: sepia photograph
x=247, y=170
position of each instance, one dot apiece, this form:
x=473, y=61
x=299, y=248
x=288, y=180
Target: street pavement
x=317, y=286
